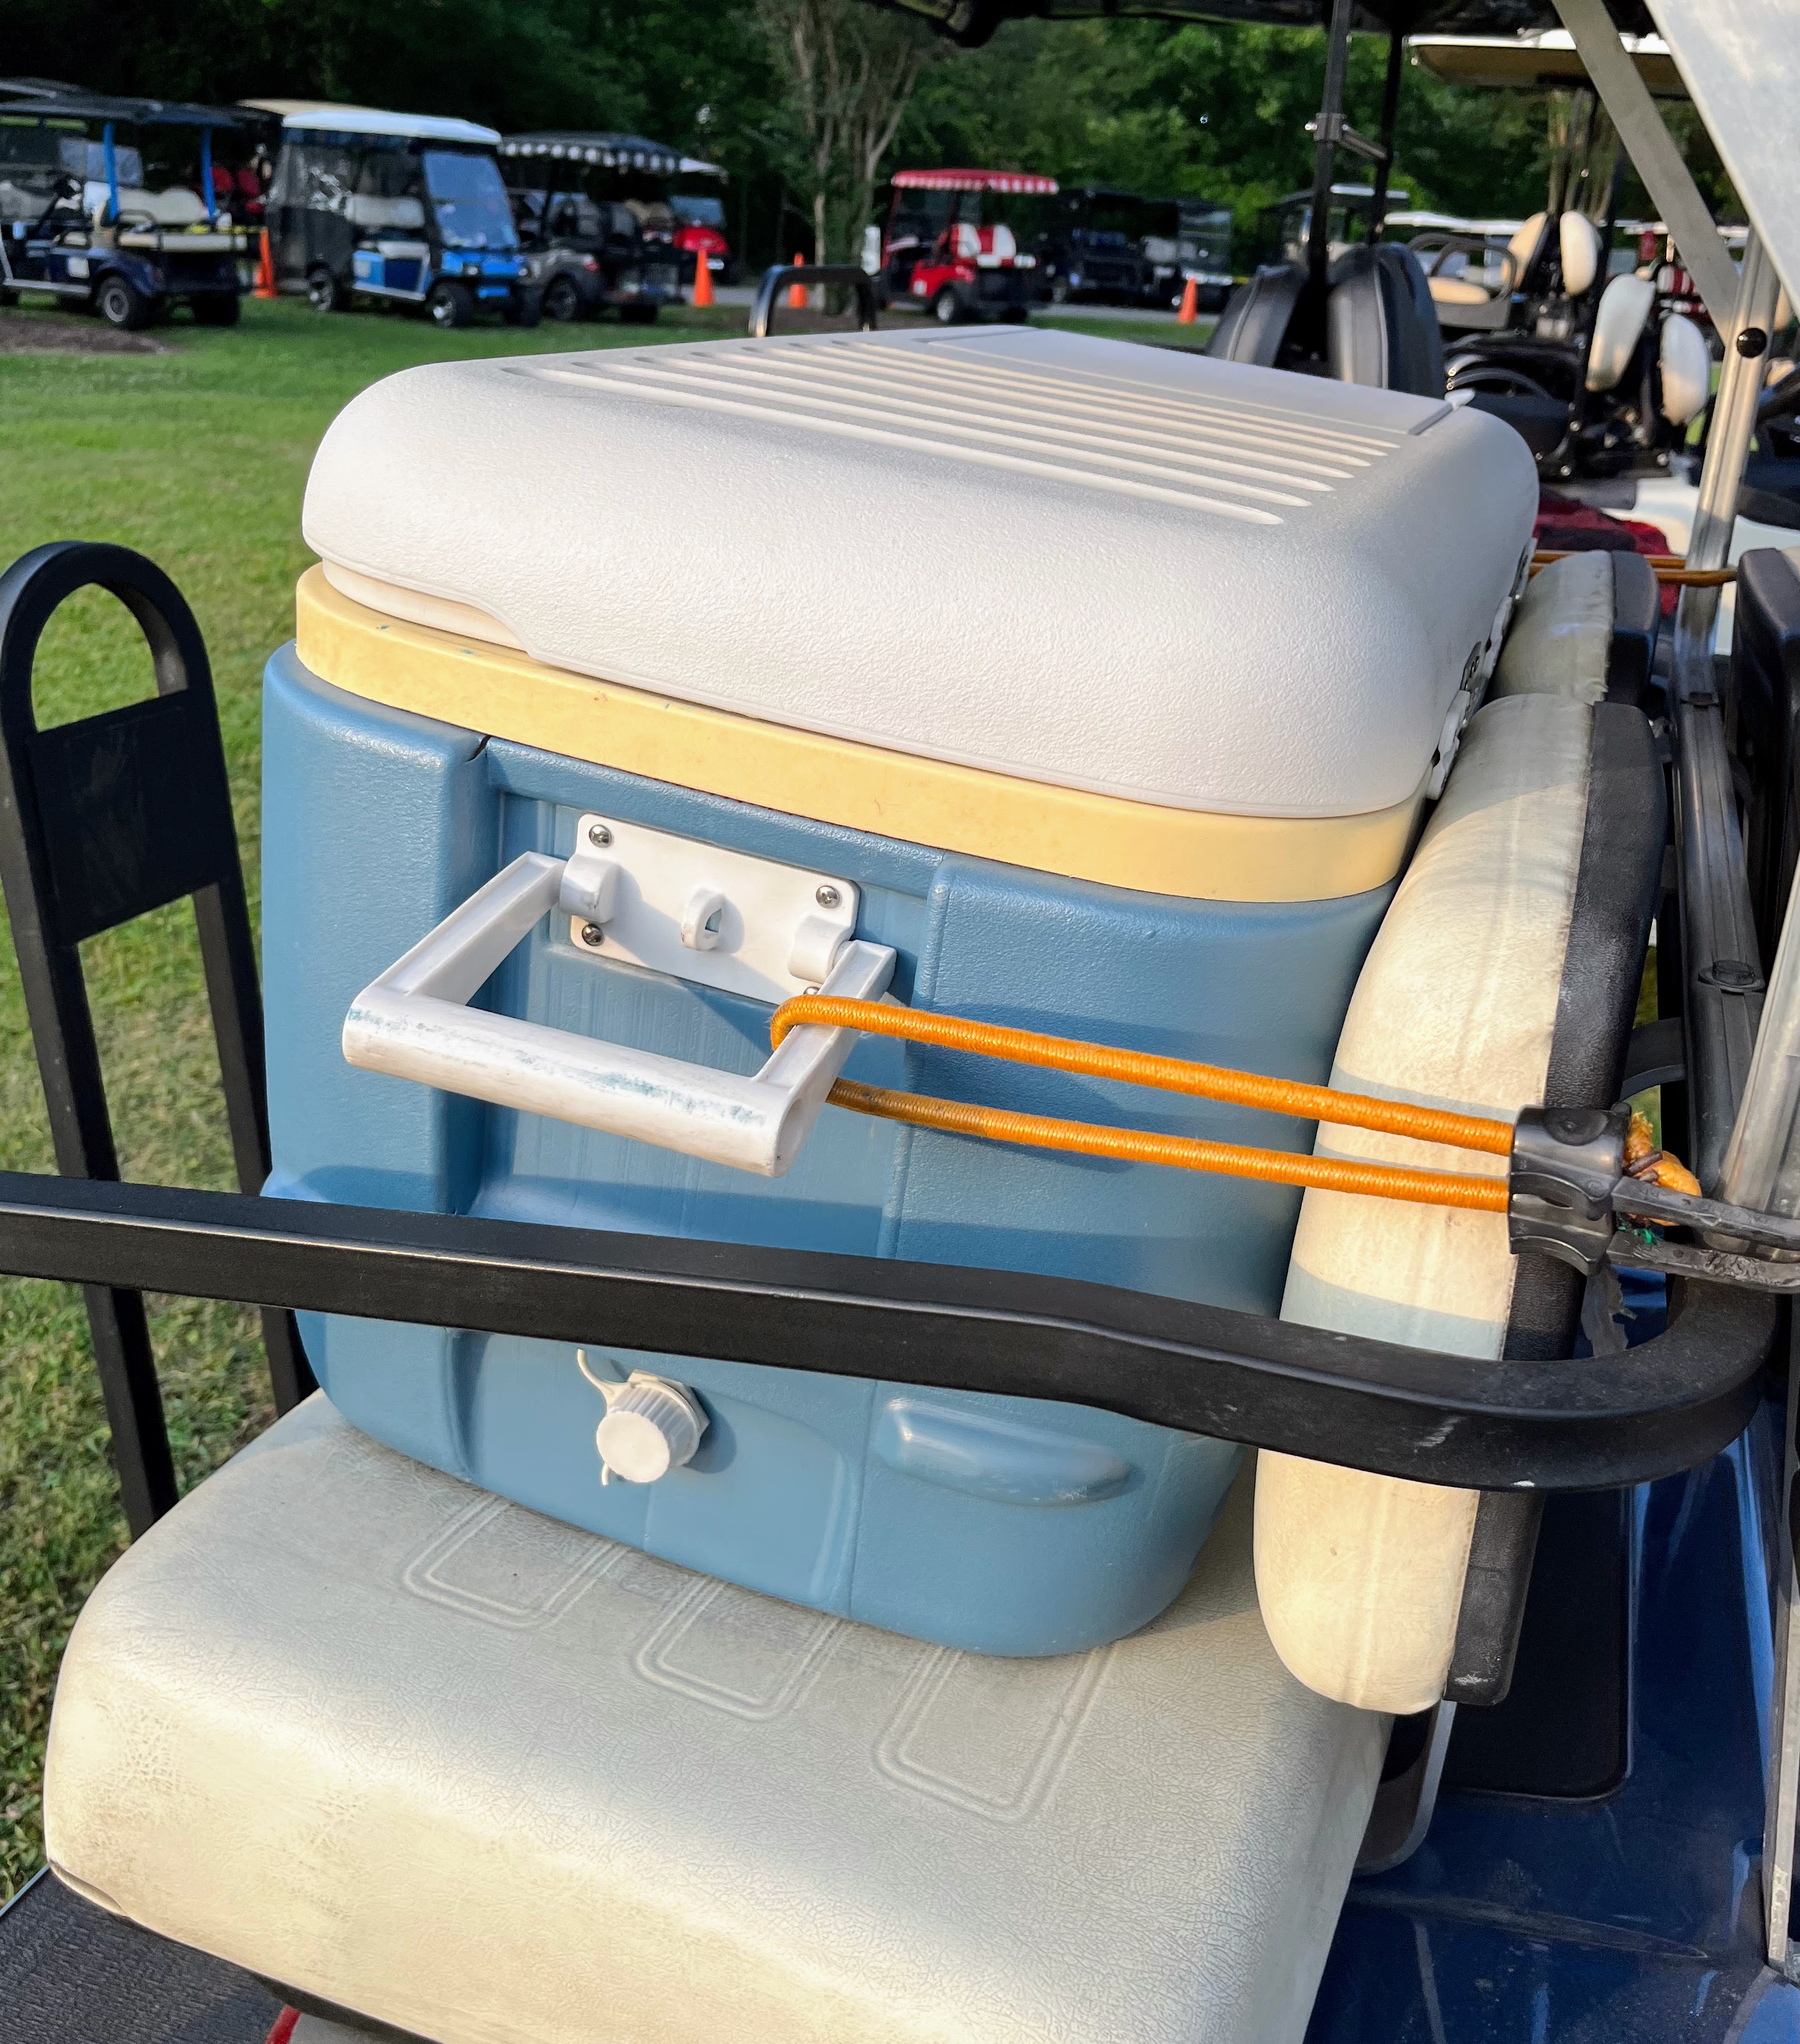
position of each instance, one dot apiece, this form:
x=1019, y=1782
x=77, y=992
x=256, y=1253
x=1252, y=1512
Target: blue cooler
x=1056, y=683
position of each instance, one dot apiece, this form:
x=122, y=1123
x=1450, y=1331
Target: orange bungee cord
x=1291, y=1096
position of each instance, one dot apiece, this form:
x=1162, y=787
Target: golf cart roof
x=47, y=100
x=1545, y=57
x=322, y=114
x=697, y=166
x=624, y=152
x=975, y=181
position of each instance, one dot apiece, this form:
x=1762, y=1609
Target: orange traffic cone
x=265, y=271
x=1190, y=303
x=797, y=293
x=702, y=278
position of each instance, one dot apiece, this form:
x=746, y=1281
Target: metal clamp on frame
x=1567, y=1164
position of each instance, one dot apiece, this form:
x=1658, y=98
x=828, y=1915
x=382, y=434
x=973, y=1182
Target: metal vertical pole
x=1390, y=113
x=1724, y=1001
x=1325, y=146
x=112, y=156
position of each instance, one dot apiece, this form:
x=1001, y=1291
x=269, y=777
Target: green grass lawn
x=197, y=458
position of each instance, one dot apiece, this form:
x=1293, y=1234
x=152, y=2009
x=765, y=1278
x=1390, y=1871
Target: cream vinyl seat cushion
x=1561, y=637
x=419, y=1753
x=1361, y=1576
x=1143, y=573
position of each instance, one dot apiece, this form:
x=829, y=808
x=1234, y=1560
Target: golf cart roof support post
x=1717, y=928
x=1325, y=151
x=1389, y=112
x=1653, y=155
x=112, y=169
x=206, y=172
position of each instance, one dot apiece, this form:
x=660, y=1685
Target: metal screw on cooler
x=593, y=935
x=598, y=834
x=827, y=896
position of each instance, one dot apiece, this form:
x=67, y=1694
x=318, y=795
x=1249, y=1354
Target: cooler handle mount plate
x=671, y=904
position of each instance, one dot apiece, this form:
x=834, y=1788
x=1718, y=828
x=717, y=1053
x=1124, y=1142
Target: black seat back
x=1255, y=320
x=1765, y=665
x=1381, y=327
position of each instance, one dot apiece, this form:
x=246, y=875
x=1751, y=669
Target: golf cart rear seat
x=1379, y=329
x=396, y=1744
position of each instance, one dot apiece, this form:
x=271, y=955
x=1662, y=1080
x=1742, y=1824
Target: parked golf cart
x=1115, y=248
x=958, y=243
x=397, y=209
x=586, y=249
x=1201, y=252
x=80, y=221
x=700, y=224
x=1284, y=230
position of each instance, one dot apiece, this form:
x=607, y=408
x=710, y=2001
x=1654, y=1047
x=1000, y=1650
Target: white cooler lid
x=1130, y=569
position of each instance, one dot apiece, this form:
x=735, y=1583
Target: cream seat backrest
x=1686, y=364
x=1577, y=241
x=1461, y=1004
x=1618, y=326
x=1521, y=250
x=368, y=211
x=176, y=207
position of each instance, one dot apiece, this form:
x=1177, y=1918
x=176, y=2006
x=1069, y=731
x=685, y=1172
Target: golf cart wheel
x=945, y=308
x=9, y=298
x=524, y=308
x=324, y=293
x=448, y=305
x=1014, y=315
x=639, y=315
x=561, y=301
x=121, y=304
x=220, y=311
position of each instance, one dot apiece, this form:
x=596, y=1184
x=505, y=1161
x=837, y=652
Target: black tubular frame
x=1582, y=1425
x=102, y=820
x=779, y=276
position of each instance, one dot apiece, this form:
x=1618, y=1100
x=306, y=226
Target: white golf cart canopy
x=1542, y=58
x=322, y=113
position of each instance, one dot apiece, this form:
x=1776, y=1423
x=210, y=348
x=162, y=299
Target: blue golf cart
x=406, y=209
x=84, y=219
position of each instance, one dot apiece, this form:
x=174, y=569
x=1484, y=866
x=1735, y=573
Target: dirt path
x=30, y=335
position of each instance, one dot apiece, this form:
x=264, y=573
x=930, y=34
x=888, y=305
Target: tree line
x=808, y=104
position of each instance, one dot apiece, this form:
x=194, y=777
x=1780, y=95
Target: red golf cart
x=959, y=244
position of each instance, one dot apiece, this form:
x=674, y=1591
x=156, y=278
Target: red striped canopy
x=999, y=181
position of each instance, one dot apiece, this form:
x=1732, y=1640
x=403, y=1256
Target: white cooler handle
x=414, y=1022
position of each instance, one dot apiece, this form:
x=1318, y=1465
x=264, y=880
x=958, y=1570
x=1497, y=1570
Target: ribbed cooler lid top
x=1131, y=570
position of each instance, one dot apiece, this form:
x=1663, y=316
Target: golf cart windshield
x=469, y=200
x=698, y=209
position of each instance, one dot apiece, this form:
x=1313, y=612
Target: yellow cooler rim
x=1198, y=854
